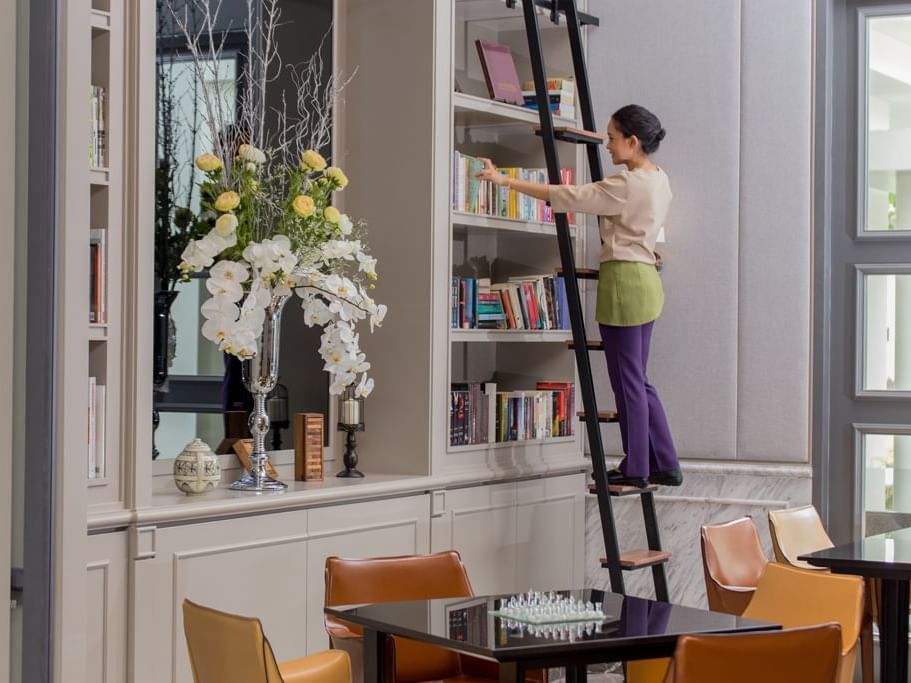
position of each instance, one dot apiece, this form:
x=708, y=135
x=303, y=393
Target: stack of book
x=96, y=429
x=471, y=195
x=560, y=91
x=97, y=280
x=469, y=405
x=97, y=144
x=535, y=302
x=545, y=413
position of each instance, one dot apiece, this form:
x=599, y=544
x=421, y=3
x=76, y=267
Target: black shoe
x=615, y=475
x=670, y=478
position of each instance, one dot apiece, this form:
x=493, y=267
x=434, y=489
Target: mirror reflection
x=198, y=389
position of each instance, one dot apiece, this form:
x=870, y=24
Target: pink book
x=500, y=72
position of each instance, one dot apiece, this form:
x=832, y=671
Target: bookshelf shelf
x=483, y=222
x=100, y=176
x=495, y=14
x=101, y=20
x=471, y=111
x=557, y=440
x=530, y=336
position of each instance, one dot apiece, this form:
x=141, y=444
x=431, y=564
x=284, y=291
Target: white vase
x=196, y=469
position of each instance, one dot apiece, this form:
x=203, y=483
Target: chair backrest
x=393, y=579
x=796, y=531
x=803, y=655
x=732, y=557
x=226, y=647
x=796, y=597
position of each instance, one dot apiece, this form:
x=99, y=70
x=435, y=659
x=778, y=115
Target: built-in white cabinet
x=264, y=565
x=107, y=592
x=515, y=536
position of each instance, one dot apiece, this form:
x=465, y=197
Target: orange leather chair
x=225, y=648
x=732, y=561
x=802, y=655
x=392, y=579
x=797, y=597
x=797, y=531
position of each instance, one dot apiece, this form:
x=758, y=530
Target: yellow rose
x=208, y=163
x=312, y=161
x=303, y=205
x=336, y=174
x=227, y=201
x=332, y=214
x=226, y=224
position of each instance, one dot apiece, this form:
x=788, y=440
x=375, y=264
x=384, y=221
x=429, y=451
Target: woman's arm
x=536, y=190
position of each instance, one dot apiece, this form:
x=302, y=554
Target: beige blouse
x=631, y=207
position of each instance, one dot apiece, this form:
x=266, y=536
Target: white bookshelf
x=401, y=181
x=103, y=210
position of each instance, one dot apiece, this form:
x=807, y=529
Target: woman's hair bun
x=659, y=136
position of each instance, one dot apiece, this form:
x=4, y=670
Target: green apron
x=629, y=293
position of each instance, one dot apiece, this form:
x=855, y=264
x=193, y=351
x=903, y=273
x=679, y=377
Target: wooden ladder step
x=638, y=559
x=590, y=344
x=618, y=491
x=577, y=136
x=582, y=273
x=603, y=416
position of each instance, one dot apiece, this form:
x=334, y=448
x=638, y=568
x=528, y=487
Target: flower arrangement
x=274, y=228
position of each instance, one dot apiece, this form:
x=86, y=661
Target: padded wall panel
x=774, y=342
x=682, y=60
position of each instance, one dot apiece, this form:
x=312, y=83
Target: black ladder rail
x=614, y=562
x=583, y=362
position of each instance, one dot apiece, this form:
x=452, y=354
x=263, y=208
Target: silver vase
x=260, y=374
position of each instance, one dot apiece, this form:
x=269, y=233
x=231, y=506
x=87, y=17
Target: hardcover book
x=500, y=72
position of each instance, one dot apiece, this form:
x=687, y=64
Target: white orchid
x=341, y=382
x=316, y=312
x=340, y=249
x=367, y=264
x=219, y=307
x=345, y=225
x=364, y=387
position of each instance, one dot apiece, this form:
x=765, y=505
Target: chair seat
x=329, y=666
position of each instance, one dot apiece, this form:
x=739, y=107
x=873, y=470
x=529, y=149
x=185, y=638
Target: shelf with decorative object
x=472, y=110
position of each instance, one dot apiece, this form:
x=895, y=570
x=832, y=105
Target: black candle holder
x=351, y=421
x=350, y=456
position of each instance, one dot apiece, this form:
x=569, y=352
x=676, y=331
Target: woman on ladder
x=632, y=206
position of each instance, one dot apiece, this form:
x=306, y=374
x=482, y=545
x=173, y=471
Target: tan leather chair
x=797, y=597
x=225, y=648
x=801, y=655
x=798, y=531
x=732, y=562
x=795, y=532
x=392, y=579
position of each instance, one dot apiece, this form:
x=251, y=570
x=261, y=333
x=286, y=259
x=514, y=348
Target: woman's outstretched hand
x=491, y=173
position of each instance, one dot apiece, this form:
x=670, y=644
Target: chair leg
x=866, y=651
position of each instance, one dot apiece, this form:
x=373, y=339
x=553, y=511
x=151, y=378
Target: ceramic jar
x=196, y=469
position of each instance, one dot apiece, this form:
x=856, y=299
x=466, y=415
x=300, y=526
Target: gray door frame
x=838, y=414
x=41, y=354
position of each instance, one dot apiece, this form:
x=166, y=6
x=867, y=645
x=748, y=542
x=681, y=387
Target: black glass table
x=887, y=557
x=634, y=628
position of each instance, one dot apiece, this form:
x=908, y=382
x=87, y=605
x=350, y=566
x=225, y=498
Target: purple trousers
x=644, y=430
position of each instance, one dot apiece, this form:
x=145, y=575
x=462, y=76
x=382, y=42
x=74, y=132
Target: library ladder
x=615, y=562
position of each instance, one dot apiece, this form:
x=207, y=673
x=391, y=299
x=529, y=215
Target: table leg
x=374, y=656
x=576, y=673
x=510, y=672
x=893, y=635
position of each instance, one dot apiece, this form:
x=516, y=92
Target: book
x=91, y=429
x=499, y=72
x=97, y=278
x=561, y=84
x=555, y=96
x=99, y=410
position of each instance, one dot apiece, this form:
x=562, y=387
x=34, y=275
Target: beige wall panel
x=254, y=566
x=380, y=528
x=107, y=594
x=550, y=533
x=480, y=523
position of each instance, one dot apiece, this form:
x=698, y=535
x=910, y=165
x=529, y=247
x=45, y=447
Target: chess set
x=539, y=608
